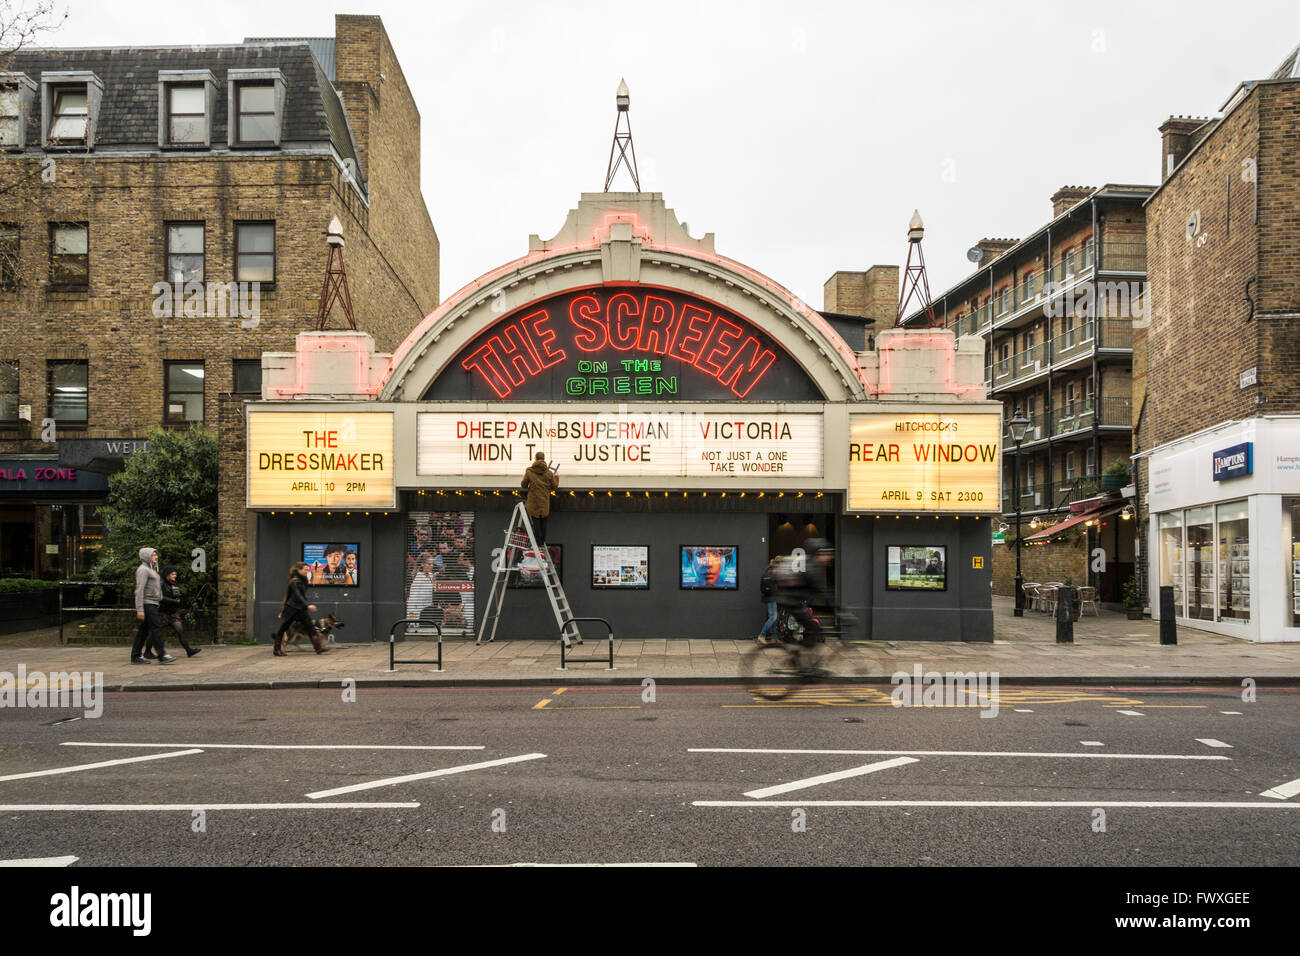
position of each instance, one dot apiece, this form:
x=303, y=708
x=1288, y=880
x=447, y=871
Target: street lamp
x=1017, y=427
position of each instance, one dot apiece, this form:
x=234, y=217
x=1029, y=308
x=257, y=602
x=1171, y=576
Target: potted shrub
x=1132, y=597
x=1116, y=475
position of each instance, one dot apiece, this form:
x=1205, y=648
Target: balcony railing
x=1073, y=341
x=973, y=323
x=1035, y=431
x=1073, y=417
x=1076, y=263
x=1116, y=334
x=1029, y=290
x=1124, y=256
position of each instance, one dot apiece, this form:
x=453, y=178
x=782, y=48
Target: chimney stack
x=1178, y=135
x=992, y=248
x=1067, y=196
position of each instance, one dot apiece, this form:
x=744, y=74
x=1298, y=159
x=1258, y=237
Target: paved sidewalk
x=1107, y=649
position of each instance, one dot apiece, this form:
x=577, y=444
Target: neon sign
x=636, y=341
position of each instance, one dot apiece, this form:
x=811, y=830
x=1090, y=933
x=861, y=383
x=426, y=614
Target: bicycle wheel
x=771, y=671
x=847, y=669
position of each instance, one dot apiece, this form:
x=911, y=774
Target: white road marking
x=1147, y=804
x=511, y=865
x=1092, y=743
x=953, y=753
x=1022, y=710
x=829, y=777
x=1231, y=713
x=1283, y=791
x=92, y=743
x=429, y=774
x=1211, y=742
x=42, y=861
x=189, y=807
x=96, y=766
x=1130, y=713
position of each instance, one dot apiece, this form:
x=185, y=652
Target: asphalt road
x=694, y=776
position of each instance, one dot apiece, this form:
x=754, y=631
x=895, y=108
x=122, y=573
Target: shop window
x=184, y=252
x=68, y=391
x=1234, y=562
x=70, y=256
x=1200, y=564
x=255, y=252
x=440, y=569
x=1171, y=556
x=248, y=376
x=1291, y=511
x=8, y=255
x=8, y=391
x=184, y=392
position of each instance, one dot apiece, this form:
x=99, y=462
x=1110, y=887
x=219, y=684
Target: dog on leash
x=324, y=629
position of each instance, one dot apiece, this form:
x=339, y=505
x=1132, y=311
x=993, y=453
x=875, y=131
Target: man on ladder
x=539, y=481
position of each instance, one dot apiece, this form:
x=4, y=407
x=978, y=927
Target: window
x=1027, y=477
x=255, y=252
x=8, y=255
x=1068, y=258
x=1092, y=461
x=11, y=116
x=183, y=402
x=1069, y=466
x=1291, y=515
x=187, y=114
x=184, y=252
x=70, y=123
x=70, y=255
x=67, y=391
x=256, y=114
x=1171, y=556
x=1071, y=396
x=248, y=376
x=8, y=391
x=1087, y=390
x=1200, y=563
x=1234, y=562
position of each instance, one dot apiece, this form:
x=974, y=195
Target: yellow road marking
x=602, y=707
x=558, y=691
x=540, y=704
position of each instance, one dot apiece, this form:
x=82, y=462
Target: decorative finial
x=622, y=140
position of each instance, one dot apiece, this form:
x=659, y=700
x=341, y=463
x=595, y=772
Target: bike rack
x=565, y=660
x=392, y=631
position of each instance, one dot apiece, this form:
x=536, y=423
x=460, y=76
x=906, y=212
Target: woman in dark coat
x=170, y=608
x=294, y=608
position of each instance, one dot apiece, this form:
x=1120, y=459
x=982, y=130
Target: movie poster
x=333, y=564
x=917, y=568
x=709, y=567
x=440, y=569
x=620, y=566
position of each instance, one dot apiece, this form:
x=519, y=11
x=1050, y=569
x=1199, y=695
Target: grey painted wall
x=961, y=613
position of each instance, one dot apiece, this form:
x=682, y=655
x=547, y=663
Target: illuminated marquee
x=320, y=460
x=925, y=462
x=607, y=342
x=729, y=446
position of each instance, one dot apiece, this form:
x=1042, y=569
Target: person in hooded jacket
x=294, y=607
x=539, y=481
x=148, y=594
x=170, y=607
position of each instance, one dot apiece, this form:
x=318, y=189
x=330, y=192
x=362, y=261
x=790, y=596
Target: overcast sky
x=801, y=133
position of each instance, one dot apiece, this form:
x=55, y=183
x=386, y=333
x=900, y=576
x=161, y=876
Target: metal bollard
x=1168, y=626
x=1065, y=615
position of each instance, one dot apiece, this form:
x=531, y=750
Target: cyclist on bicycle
x=800, y=589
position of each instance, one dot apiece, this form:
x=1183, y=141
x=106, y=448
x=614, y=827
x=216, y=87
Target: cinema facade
x=703, y=418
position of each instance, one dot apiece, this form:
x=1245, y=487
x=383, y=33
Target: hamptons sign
x=1234, y=462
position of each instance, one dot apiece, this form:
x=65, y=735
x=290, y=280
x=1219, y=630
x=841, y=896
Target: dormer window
x=17, y=98
x=69, y=107
x=185, y=107
x=256, y=107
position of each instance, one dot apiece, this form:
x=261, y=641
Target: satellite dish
x=975, y=254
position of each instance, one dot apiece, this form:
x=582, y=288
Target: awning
x=1105, y=511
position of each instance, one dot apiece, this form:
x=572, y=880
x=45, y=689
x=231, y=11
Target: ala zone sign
x=320, y=460
x=925, y=462
x=605, y=444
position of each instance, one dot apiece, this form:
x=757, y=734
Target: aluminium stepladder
x=519, y=539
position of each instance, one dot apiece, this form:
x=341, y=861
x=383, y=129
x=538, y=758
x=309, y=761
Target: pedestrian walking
x=539, y=481
x=148, y=594
x=767, y=586
x=170, y=608
x=295, y=609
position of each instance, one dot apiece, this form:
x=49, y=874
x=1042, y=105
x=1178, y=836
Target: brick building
x=1056, y=311
x=1217, y=372
x=163, y=227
